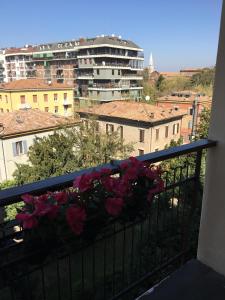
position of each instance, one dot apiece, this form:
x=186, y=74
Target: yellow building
x=35, y=93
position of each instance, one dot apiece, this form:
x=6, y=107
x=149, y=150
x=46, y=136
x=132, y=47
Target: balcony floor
x=193, y=281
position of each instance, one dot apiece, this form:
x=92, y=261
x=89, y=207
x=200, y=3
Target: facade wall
x=10, y=101
x=152, y=141
x=187, y=108
x=8, y=159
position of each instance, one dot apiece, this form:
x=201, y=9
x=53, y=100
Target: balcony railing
x=124, y=259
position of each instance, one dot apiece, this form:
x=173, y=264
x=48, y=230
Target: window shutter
x=24, y=147
x=14, y=149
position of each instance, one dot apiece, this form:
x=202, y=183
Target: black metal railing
x=124, y=259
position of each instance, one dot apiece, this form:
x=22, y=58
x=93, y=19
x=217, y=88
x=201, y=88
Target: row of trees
x=200, y=82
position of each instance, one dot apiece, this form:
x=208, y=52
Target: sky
x=179, y=33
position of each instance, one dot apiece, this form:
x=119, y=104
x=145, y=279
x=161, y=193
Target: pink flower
x=60, y=197
x=43, y=198
x=124, y=165
x=46, y=209
x=28, y=199
x=131, y=174
x=114, y=206
x=83, y=182
x=105, y=171
x=29, y=220
x=75, y=217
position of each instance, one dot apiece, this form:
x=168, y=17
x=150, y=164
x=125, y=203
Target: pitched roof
x=24, y=121
x=34, y=84
x=137, y=111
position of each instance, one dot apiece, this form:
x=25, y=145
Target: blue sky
x=180, y=33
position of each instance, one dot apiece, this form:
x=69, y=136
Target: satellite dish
x=147, y=98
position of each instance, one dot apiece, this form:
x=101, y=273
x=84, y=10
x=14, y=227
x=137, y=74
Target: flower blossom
x=75, y=217
x=114, y=206
x=29, y=220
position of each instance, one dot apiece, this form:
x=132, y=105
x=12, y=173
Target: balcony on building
x=175, y=252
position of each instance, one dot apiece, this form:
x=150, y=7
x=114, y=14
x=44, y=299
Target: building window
x=141, y=151
x=1, y=97
x=97, y=126
x=85, y=123
x=113, y=93
x=174, y=129
x=22, y=99
x=109, y=128
x=2, y=110
x=19, y=148
x=120, y=130
x=56, y=109
x=46, y=97
x=113, y=72
x=178, y=127
x=157, y=134
x=118, y=72
x=166, y=131
x=6, y=98
x=191, y=111
x=55, y=97
x=98, y=72
x=189, y=124
x=46, y=109
x=35, y=98
x=98, y=93
x=65, y=96
x=141, y=135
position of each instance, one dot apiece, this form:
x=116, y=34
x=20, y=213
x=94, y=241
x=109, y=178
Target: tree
x=204, y=78
x=203, y=127
x=68, y=150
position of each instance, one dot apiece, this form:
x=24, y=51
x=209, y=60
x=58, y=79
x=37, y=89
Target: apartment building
x=191, y=104
x=18, y=129
x=103, y=68
x=2, y=69
x=49, y=96
x=148, y=127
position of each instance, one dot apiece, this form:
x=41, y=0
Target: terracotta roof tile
x=31, y=84
x=22, y=121
x=132, y=110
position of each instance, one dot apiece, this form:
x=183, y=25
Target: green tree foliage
x=204, y=78
x=166, y=86
x=150, y=90
x=203, y=127
x=10, y=211
x=68, y=150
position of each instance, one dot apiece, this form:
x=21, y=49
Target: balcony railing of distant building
x=111, y=52
x=125, y=258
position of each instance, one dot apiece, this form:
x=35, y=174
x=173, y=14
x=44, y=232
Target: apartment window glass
x=97, y=126
x=189, y=124
x=174, y=129
x=55, y=97
x=98, y=72
x=46, y=109
x=65, y=96
x=178, y=127
x=19, y=148
x=22, y=99
x=157, y=134
x=141, y=151
x=109, y=128
x=191, y=111
x=46, y=97
x=113, y=93
x=1, y=97
x=166, y=131
x=118, y=72
x=35, y=98
x=141, y=135
x=120, y=129
x=113, y=72
x=56, y=109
